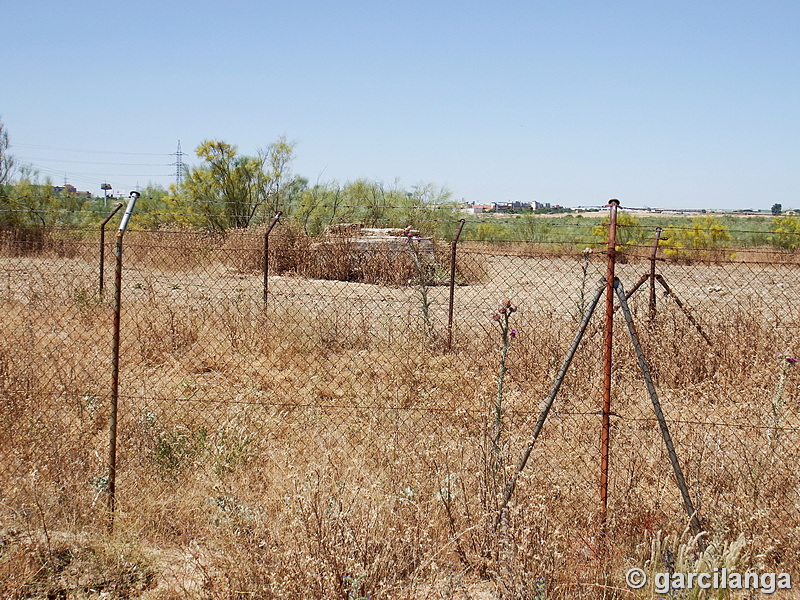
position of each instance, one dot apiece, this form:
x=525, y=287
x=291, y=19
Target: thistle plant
x=584, y=264
x=778, y=407
x=352, y=585
x=539, y=588
x=418, y=258
x=503, y=318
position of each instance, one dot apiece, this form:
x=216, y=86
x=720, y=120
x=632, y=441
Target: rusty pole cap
x=613, y=201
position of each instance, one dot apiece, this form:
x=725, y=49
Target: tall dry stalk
x=502, y=317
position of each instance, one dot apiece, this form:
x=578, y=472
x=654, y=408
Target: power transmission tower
x=178, y=166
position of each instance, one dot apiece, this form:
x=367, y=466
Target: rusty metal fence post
x=605, y=432
x=266, y=254
x=103, y=242
x=112, y=424
x=453, y=246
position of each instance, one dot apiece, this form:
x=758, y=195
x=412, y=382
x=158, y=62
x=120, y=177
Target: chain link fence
x=329, y=423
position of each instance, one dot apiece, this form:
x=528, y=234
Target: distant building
x=70, y=189
x=476, y=209
x=505, y=206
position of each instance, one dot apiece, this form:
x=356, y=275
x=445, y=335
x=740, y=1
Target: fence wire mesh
x=334, y=434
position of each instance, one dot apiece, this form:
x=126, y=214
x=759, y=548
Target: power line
x=94, y=162
x=57, y=149
x=52, y=167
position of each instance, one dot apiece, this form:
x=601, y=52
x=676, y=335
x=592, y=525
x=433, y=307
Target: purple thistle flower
x=513, y=333
x=791, y=360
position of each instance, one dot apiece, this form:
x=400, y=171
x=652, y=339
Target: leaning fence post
x=662, y=422
x=112, y=428
x=605, y=431
x=266, y=254
x=103, y=242
x=453, y=284
x=653, y=253
x=548, y=402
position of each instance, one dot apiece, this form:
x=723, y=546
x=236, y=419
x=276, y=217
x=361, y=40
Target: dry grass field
x=328, y=445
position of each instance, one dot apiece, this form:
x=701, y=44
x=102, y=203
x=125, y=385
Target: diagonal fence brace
x=548, y=403
x=673, y=457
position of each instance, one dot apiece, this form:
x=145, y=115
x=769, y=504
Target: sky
x=679, y=104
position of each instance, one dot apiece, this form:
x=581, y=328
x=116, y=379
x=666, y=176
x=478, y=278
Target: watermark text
x=718, y=579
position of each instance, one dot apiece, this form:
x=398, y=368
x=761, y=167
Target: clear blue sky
x=692, y=104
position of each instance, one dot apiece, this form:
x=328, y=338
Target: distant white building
x=476, y=209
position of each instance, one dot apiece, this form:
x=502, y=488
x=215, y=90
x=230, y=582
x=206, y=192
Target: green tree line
x=227, y=190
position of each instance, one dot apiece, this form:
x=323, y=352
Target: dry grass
x=343, y=258
x=327, y=446
x=36, y=563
